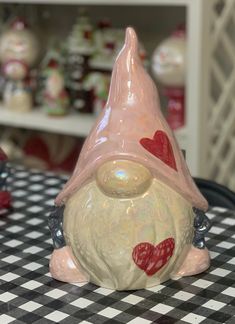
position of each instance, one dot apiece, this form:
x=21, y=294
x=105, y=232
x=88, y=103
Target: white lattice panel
x=221, y=112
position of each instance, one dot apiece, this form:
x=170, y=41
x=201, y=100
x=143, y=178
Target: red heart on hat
x=152, y=258
x=160, y=147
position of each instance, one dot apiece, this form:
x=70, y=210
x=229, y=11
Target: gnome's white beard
x=102, y=232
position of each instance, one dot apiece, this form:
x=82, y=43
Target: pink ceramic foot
x=196, y=261
x=64, y=268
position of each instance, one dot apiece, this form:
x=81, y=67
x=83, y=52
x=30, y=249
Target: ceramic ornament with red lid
x=130, y=217
x=5, y=196
x=169, y=68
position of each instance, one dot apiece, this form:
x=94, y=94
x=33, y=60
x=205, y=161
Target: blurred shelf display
x=105, y=2
x=208, y=136
x=73, y=124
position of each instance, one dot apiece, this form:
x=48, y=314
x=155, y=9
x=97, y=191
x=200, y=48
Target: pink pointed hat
x=132, y=127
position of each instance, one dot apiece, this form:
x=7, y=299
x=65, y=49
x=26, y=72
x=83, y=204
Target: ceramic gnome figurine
x=5, y=196
x=131, y=216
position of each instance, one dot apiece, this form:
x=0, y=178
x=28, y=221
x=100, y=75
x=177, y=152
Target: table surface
x=28, y=294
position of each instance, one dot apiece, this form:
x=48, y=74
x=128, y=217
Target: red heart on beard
x=160, y=147
x=152, y=258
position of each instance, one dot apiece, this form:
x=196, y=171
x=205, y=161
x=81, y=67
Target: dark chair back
x=216, y=194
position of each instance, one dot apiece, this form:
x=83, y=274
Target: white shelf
x=72, y=124
x=104, y=2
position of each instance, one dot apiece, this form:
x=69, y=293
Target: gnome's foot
x=196, y=261
x=63, y=266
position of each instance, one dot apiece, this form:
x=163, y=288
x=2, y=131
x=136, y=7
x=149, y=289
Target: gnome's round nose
x=123, y=178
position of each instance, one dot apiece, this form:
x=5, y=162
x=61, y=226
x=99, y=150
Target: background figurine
x=108, y=42
x=131, y=216
x=55, y=97
x=79, y=48
x=98, y=83
x=5, y=196
x=168, y=65
x=18, y=52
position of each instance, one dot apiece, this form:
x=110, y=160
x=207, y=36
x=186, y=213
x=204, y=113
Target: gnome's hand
x=55, y=224
x=201, y=225
x=123, y=178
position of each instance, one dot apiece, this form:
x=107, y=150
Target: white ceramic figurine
x=169, y=68
x=18, y=52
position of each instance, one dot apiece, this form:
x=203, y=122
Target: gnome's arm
x=201, y=226
x=55, y=224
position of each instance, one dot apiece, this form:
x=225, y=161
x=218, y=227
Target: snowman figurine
x=98, y=83
x=55, y=95
x=168, y=66
x=18, y=52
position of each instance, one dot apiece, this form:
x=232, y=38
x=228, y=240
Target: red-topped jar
x=5, y=196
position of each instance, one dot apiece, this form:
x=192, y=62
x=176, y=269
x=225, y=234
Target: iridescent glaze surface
x=113, y=227
x=132, y=127
x=123, y=178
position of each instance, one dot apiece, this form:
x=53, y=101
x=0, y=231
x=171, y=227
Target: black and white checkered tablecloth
x=28, y=294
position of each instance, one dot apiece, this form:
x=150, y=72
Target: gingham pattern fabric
x=28, y=294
